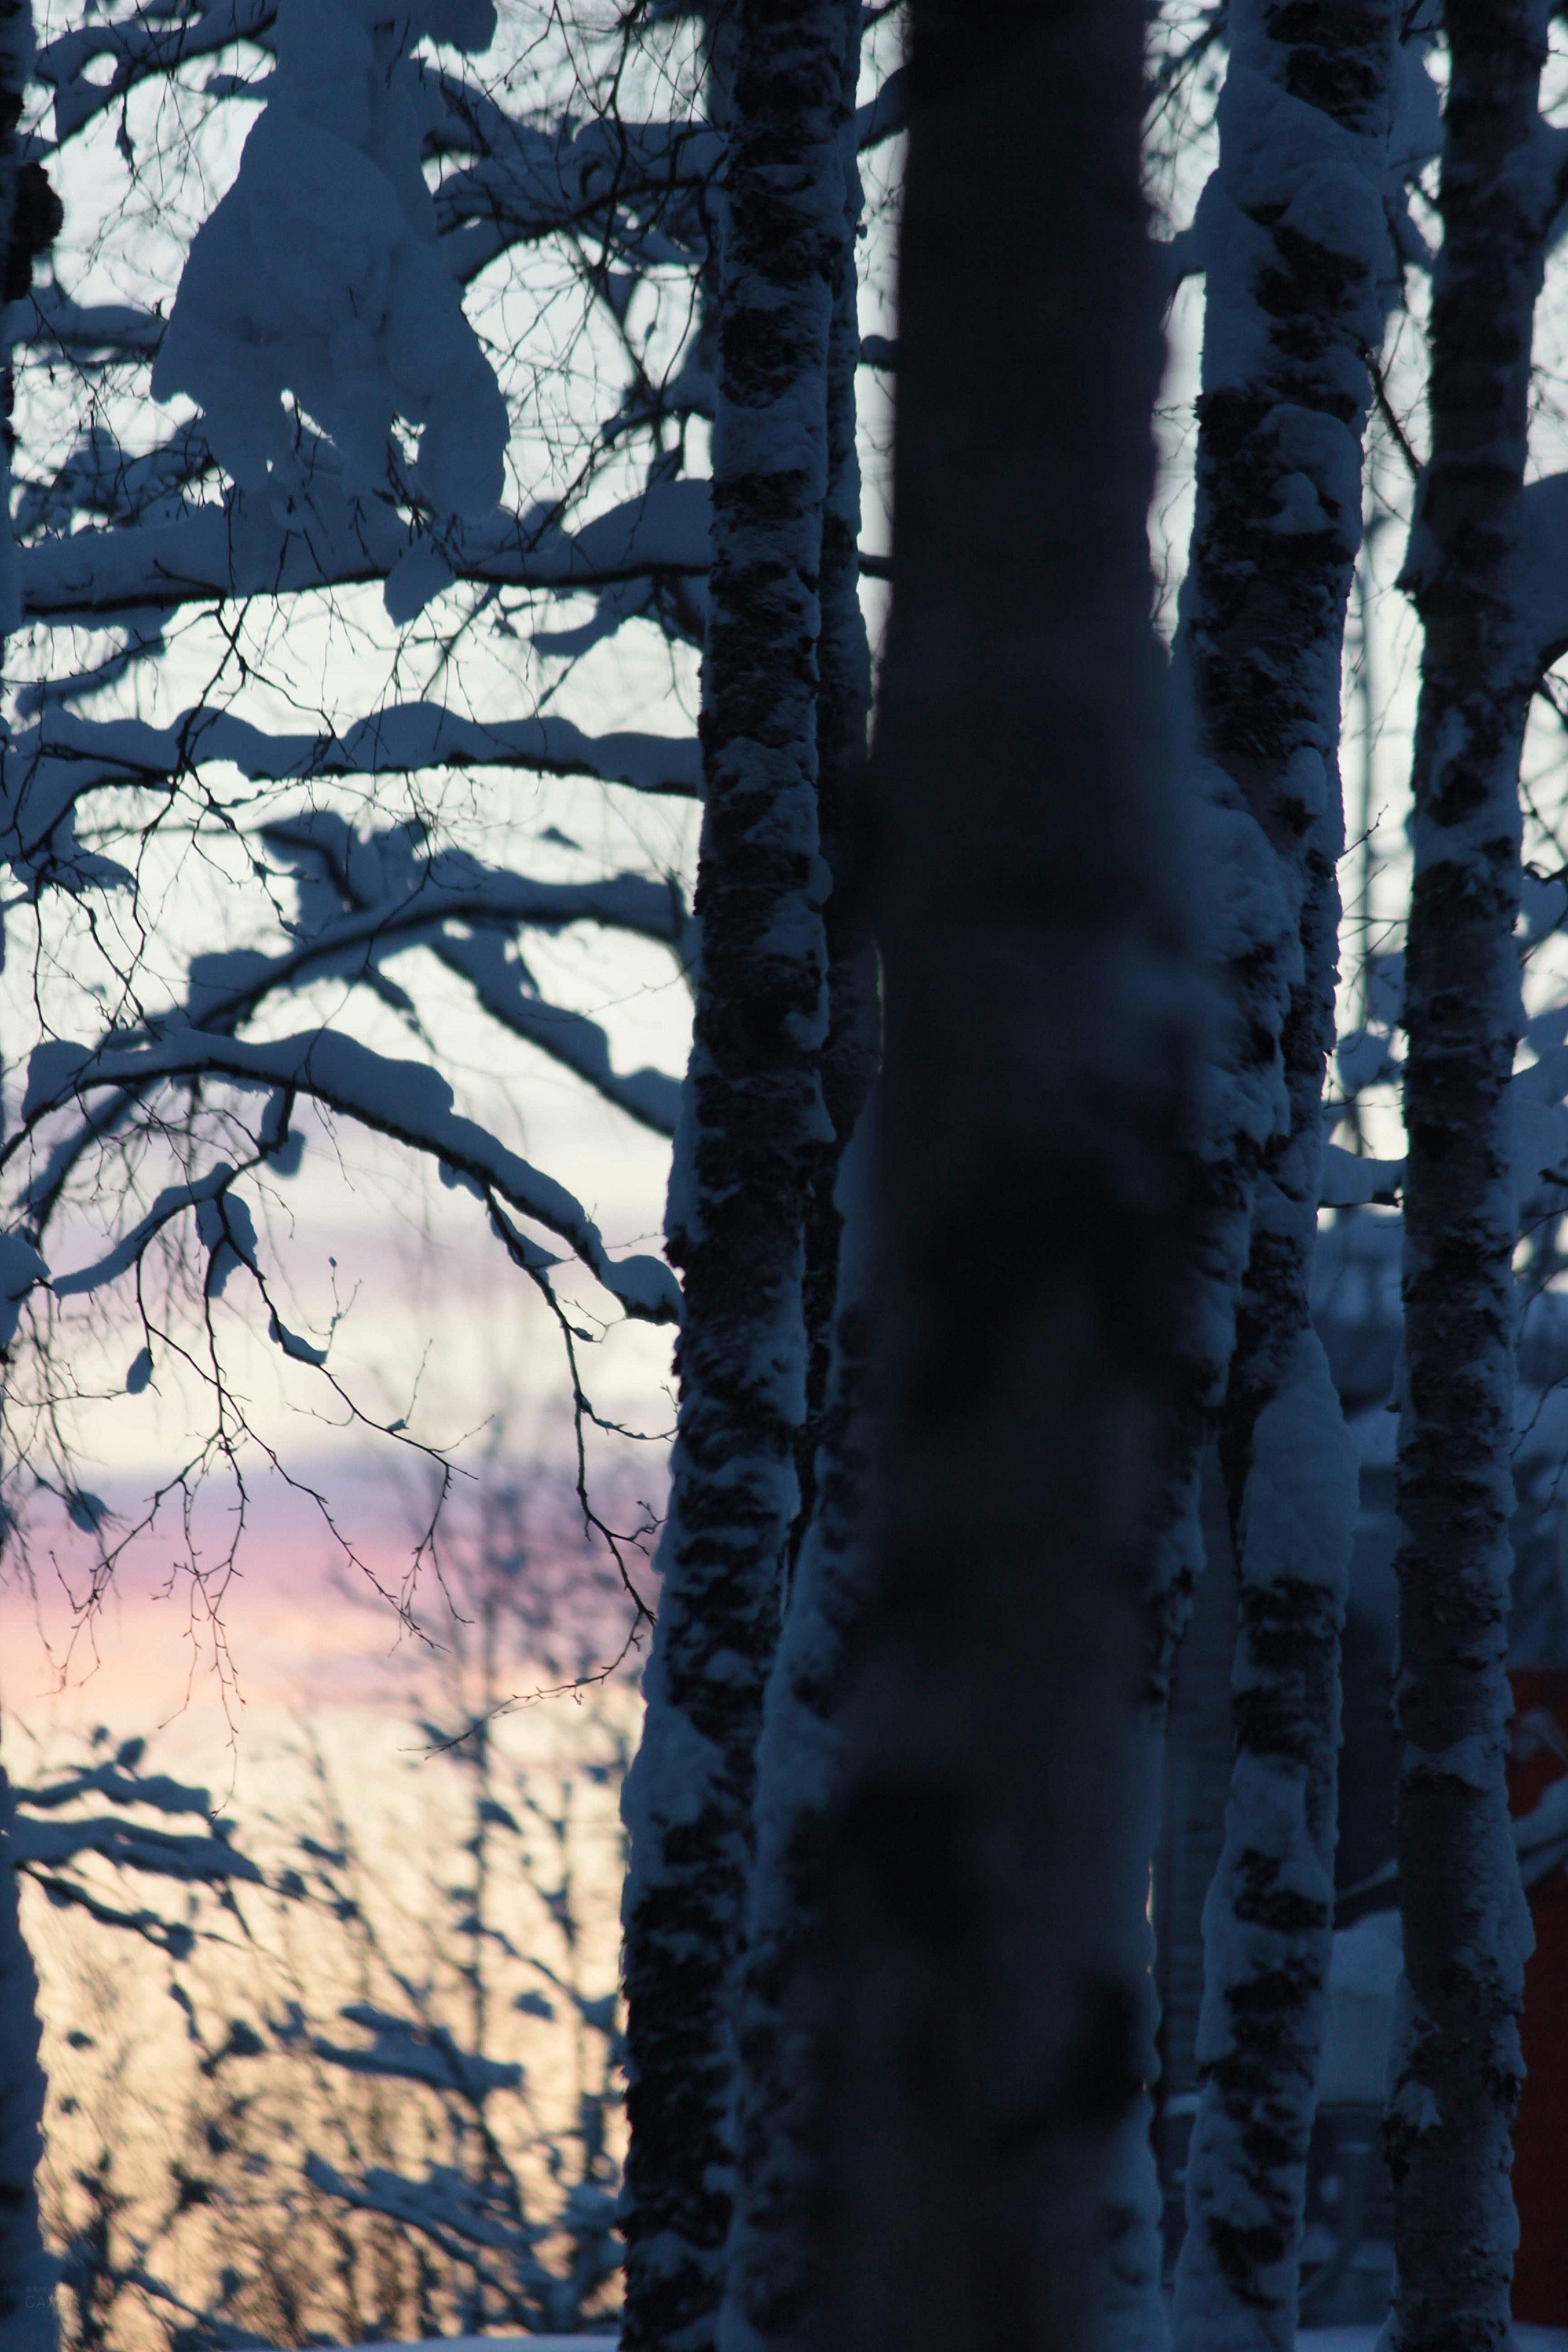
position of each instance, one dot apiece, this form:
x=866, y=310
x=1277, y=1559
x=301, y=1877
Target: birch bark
x=984, y=1984
x=26, y=2273
x=1457, y=2063
x=774, y=2290
x=751, y=1119
x=1297, y=252
x=843, y=710
x=774, y=2274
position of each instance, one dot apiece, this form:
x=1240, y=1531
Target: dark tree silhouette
x=987, y=1957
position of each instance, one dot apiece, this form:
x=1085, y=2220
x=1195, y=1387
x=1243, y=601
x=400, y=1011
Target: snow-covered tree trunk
x=843, y=708
x=774, y=2284
x=986, y=1958
x=1241, y=1108
x=16, y=248
x=1456, y=2063
x=26, y=2275
x=751, y=1121
x=1296, y=250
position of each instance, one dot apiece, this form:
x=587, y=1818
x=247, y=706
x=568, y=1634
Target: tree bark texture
x=1456, y=2063
x=29, y=215
x=773, y=2269
x=752, y=1119
x=987, y=1955
x=773, y=2293
x=1297, y=256
x=27, y=2272
x=843, y=711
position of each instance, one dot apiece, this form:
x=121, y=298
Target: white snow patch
x=1349, y=1182
x=1362, y=2339
x=1300, y=1500
x=1472, y=1761
x=496, y=2344
x=1363, y=1977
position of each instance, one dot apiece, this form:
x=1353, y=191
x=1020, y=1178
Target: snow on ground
x=1362, y=2339
x=527, y=2344
x=1310, y=2339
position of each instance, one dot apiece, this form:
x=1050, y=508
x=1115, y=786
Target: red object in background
x=1541, y=2134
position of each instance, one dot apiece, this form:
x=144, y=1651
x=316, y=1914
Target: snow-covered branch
x=315, y=536
x=362, y=899
x=51, y=765
x=159, y=38
x=49, y=1850
x=104, y=330
x=408, y=1101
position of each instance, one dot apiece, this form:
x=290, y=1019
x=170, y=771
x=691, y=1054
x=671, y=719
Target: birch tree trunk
x=773, y=2270
x=752, y=1120
x=774, y=2290
x=1241, y=1109
x=1296, y=249
x=986, y=1959
x=843, y=710
x=1456, y=2063
x=19, y=239
x=26, y=2273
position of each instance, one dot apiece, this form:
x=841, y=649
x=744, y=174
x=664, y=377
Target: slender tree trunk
x=843, y=711
x=1242, y=1109
x=1296, y=248
x=1457, y=2063
x=751, y=1119
x=27, y=2272
x=17, y=245
x=987, y=1957
x=773, y=2283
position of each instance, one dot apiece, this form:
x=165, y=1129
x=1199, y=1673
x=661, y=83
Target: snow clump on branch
x=319, y=273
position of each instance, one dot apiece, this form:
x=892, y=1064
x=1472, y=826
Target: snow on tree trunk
x=1456, y=2066
x=1268, y=1919
x=15, y=62
x=752, y=1120
x=1296, y=249
x=773, y=2286
x=26, y=2273
x=986, y=1954
x=843, y=707
x=1242, y=1107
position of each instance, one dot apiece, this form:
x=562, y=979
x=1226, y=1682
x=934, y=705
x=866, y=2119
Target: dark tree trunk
x=752, y=1121
x=1457, y=2065
x=986, y=1958
x=1297, y=256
